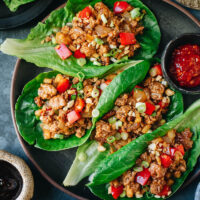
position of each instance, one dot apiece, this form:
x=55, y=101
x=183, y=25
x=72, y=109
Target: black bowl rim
x=22, y=142
x=163, y=65
x=25, y=17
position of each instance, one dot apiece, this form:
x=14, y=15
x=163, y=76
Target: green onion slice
x=124, y=136
x=98, y=41
x=81, y=76
x=97, y=63
x=110, y=139
x=81, y=61
x=117, y=136
x=118, y=124
x=95, y=113
x=53, y=40
x=59, y=136
x=123, y=194
x=141, y=107
x=138, y=169
x=95, y=93
x=135, y=13
x=112, y=120
x=145, y=164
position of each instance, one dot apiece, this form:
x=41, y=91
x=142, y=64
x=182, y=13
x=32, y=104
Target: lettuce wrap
x=29, y=125
x=94, y=157
x=114, y=165
x=44, y=55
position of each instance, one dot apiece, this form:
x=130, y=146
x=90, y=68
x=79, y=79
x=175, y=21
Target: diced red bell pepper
x=158, y=69
x=63, y=51
x=143, y=176
x=116, y=191
x=63, y=85
x=85, y=13
x=79, y=104
x=150, y=108
x=166, y=189
x=120, y=6
x=163, y=105
x=181, y=149
x=108, y=82
x=78, y=54
x=166, y=160
x=120, y=130
x=171, y=151
x=160, y=104
x=100, y=92
x=127, y=38
x=73, y=116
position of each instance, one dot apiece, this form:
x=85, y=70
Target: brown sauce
x=10, y=181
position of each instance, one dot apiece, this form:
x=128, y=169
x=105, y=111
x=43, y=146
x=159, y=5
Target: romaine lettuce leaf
x=14, y=4
x=175, y=110
x=29, y=126
x=116, y=164
x=82, y=168
x=44, y=55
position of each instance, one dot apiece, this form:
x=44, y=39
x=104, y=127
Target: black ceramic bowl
x=189, y=38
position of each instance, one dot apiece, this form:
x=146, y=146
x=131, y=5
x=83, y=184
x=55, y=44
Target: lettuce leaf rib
x=116, y=164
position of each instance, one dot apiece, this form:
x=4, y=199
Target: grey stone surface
x=8, y=138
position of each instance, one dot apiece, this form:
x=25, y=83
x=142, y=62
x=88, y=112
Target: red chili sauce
x=185, y=65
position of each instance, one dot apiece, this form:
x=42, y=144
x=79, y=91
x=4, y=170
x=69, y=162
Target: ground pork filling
x=157, y=169
x=66, y=105
x=101, y=35
x=136, y=113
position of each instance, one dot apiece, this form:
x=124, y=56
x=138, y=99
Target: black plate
x=55, y=165
x=24, y=14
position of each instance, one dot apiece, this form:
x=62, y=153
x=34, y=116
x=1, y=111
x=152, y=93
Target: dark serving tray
x=24, y=14
x=55, y=165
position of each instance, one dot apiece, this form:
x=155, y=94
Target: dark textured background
x=8, y=139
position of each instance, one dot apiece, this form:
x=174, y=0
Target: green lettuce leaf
x=44, y=55
x=14, y=4
x=29, y=126
x=80, y=169
x=116, y=164
x=176, y=107
x=175, y=110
